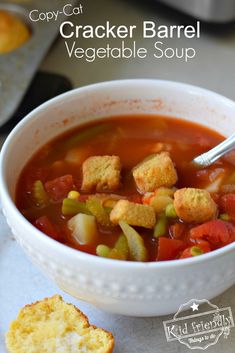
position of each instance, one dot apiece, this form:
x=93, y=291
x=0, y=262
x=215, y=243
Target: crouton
x=134, y=214
x=51, y=325
x=101, y=173
x=155, y=171
x=194, y=205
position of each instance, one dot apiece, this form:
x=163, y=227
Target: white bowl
x=137, y=289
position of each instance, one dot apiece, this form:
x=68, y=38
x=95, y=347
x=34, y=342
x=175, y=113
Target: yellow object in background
x=13, y=32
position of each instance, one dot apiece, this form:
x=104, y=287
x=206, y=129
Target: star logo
x=194, y=306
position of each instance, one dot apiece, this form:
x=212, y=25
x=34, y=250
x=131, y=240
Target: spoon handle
x=215, y=153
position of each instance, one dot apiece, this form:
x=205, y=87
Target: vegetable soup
x=125, y=188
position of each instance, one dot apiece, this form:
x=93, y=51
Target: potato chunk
x=194, y=205
x=134, y=214
x=83, y=228
x=101, y=173
x=155, y=171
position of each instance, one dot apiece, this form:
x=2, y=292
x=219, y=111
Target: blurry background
x=213, y=66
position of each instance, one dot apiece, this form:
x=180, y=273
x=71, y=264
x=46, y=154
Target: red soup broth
x=132, y=138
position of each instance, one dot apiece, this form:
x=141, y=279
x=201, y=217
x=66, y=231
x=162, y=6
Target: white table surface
x=213, y=68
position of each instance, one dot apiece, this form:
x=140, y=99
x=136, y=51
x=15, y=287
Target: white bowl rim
x=61, y=248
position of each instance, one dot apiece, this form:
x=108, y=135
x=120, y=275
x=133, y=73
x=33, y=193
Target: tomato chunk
x=217, y=232
x=169, y=249
x=44, y=225
x=203, y=245
x=186, y=253
x=228, y=204
x=59, y=187
x=177, y=230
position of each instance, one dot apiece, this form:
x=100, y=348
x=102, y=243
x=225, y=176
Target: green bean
x=170, y=211
x=160, y=227
x=39, y=194
x=72, y=207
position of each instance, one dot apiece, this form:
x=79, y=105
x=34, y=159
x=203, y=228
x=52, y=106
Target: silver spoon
x=206, y=159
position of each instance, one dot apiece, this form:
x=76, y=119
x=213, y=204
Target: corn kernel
x=73, y=195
